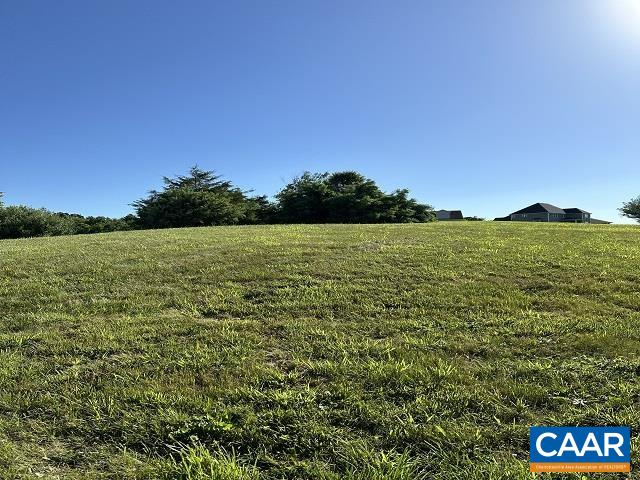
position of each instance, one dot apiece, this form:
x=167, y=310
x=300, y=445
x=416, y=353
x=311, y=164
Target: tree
x=200, y=198
x=346, y=197
x=304, y=200
x=631, y=209
x=262, y=211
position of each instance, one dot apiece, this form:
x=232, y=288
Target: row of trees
x=20, y=221
x=203, y=198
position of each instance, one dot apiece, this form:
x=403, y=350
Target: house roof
x=575, y=210
x=450, y=214
x=540, y=208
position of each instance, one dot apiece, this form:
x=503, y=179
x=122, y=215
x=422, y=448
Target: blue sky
x=485, y=106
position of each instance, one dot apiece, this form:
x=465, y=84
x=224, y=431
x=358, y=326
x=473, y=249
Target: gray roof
x=540, y=208
x=575, y=210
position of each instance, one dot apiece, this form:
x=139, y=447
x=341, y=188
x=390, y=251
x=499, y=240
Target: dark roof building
x=449, y=215
x=545, y=212
x=575, y=210
x=540, y=208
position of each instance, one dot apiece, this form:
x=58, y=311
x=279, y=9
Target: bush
x=83, y=225
x=20, y=221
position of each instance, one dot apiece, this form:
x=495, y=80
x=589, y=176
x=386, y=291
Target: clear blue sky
x=485, y=106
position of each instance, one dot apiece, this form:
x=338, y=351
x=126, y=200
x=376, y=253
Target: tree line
x=203, y=198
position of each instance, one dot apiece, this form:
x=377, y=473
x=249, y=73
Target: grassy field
x=329, y=352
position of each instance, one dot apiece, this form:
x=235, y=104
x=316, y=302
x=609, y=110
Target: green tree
x=346, y=197
x=631, y=209
x=304, y=200
x=262, y=211
x=200, y=198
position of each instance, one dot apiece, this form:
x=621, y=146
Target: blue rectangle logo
x=580, y=449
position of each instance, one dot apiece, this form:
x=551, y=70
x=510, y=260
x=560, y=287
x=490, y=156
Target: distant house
x=449, y=215
x=545, y=212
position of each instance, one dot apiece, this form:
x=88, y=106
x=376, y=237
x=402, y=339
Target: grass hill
x=330, y=352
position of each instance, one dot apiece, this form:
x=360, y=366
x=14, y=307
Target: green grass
x=330, y=352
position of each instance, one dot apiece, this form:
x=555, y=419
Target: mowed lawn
x=329, y=352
